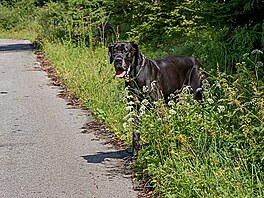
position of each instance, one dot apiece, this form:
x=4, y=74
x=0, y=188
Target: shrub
x=209, y=148
x=73, y=21
x=16, y=15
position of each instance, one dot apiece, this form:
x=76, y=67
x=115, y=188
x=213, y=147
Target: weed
x=211, y=148
x=208, y=149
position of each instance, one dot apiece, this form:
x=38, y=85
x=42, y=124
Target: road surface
x=42, y=150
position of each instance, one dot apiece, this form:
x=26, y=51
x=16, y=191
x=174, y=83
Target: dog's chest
x=147, y=77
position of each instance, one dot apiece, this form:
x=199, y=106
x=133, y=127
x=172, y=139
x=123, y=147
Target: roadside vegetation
x=213, y=148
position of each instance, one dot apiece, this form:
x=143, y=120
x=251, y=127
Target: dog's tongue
x=120, y=74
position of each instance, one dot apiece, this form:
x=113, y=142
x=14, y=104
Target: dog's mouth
x=121, y=73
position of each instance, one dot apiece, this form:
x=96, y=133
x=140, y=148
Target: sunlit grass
x=193, y=149
x=88, y=74
x=28, y=34
x=208, y=149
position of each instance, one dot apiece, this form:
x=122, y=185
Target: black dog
x=154, y=78
x=159, y=77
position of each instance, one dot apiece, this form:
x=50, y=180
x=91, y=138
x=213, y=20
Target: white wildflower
x=220, y=108
x=131, y=103
x=186, y=89
x=130, y=120
x=129, y=108
x=129, y=96
x=153, y=83
x=253, y=101
x=172, y=95
x=256, y=51
x=172, y=112
x=171, y=103
x=145, y=89
x=142, y=110
x=125, y=125
x=210, y=100
x=199, y=89
x=145, y=102
x=245, y=55
x=217, y=84
x=199, y=116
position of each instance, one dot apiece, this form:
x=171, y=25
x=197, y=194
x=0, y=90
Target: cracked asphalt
x=42, y=150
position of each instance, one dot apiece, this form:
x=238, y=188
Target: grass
x=211, y=149
x=29, y=34
x=88, y=74
x=208, y=149
x=190, y=154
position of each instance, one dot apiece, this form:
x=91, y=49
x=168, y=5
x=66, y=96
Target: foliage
x=240, y=23
x=164, y=21
x=74, y=21
x=15, y=14
x=214, y=31
x=208, y=149
x=87, y=75
x=51, y=19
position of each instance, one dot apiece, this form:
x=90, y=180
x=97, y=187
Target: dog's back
x=177, y=71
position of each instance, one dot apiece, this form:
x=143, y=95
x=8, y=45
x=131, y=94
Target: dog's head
x=124, y=55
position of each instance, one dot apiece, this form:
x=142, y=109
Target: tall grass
x=18, y=21
x=212, y=148
x=88, y=75
x=208, y=149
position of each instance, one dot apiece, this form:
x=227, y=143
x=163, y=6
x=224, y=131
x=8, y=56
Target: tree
x=237, y=17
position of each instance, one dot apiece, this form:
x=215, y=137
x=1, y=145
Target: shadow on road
x=100, y=157
x=16, y=47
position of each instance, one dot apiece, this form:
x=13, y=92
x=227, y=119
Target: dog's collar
x=127, y=77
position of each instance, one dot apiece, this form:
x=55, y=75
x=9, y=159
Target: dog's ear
x=110, y=53
x=136, y=47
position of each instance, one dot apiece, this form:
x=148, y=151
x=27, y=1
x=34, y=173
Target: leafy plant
x=200, y=149
x=208, y=149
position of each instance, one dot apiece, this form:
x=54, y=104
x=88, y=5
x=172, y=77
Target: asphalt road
x=42, y=150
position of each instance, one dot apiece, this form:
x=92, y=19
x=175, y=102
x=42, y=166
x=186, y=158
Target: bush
x=52, y=21
x=208, y=149
x=16, y=15
x=74, y=21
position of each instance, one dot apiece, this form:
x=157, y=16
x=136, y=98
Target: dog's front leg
x=135, y=144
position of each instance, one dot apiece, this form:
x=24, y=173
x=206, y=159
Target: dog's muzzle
x=119, y=67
